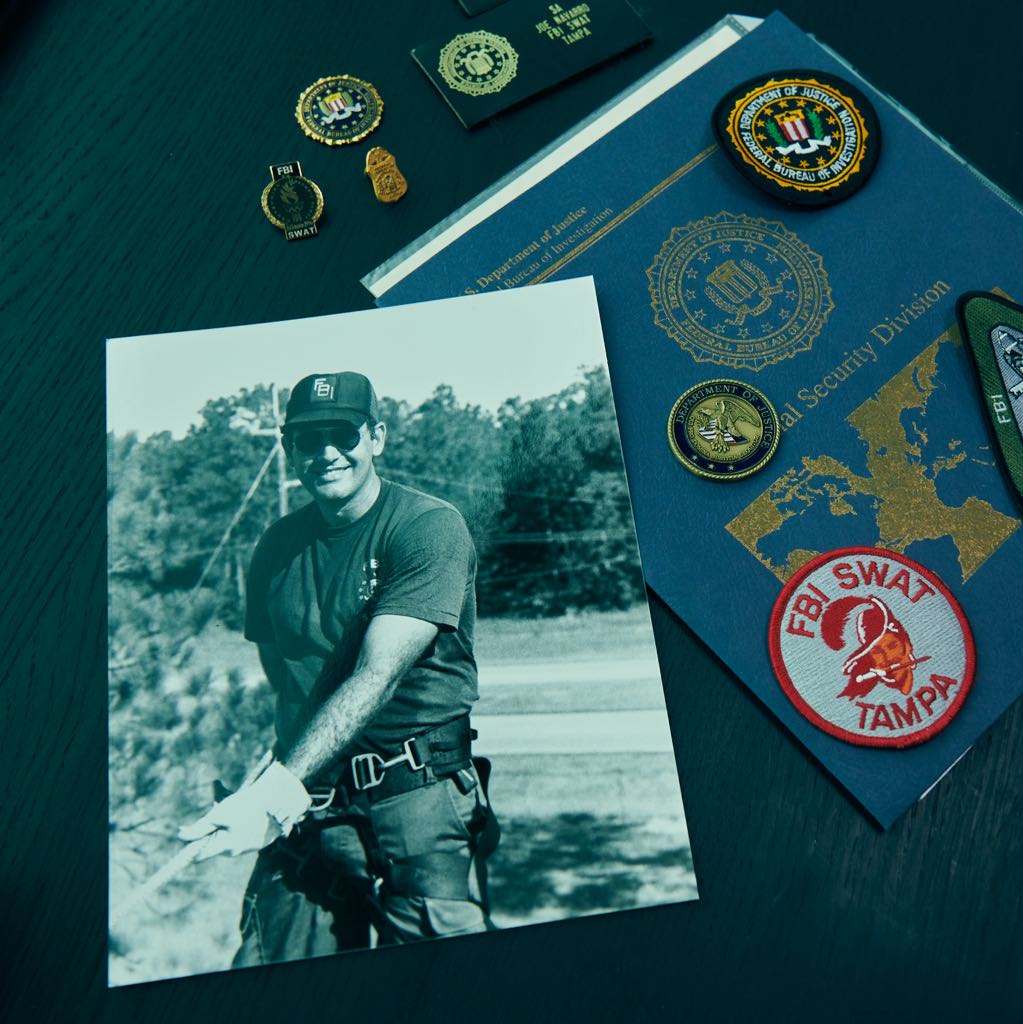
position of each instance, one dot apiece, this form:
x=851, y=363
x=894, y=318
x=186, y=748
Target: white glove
x=253, y=817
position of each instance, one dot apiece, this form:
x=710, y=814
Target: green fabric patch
x=992, y=327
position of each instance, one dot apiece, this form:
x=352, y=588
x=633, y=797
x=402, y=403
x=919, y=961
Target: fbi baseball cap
x=331, y=396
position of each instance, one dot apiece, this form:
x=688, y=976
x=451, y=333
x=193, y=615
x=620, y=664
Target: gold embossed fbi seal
x=292, y=202
x=739, y=291
x=723, y=430
x=805, y=137
x=339, y=109
x=478, y=63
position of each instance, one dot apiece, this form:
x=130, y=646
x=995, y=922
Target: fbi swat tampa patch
x=993, y=328
x=805, y=137
x=478, y=63
x=339, y=109
x=723, y=430
x=872, y=647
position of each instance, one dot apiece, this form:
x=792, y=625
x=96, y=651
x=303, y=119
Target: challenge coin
x=805, y=137
x=723, y=429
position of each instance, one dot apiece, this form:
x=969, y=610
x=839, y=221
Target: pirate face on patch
x=885, y=652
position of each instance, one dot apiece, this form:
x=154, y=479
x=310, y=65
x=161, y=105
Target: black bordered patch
x=872, y=647
x=992, y=326
x=339, y=109
x=805, y=137
x=723, y=429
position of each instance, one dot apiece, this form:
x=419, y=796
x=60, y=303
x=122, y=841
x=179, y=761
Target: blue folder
x=884, y=440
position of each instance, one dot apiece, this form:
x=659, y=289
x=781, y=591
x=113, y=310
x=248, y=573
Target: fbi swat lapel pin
x=992, y=326
x=872, y=647
x=339, y=109
x=805, y=137
x=723, y=430
x=291, y=202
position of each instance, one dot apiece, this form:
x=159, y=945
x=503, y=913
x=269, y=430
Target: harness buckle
x=410, y=755
x=322, y=797
x=368, y=769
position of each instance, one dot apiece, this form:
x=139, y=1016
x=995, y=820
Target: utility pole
x=282, y=459
x=247, y=421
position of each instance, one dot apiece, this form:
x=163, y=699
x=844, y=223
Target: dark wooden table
x=137, y=140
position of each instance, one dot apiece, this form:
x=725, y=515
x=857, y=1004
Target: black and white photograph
x=381, y=666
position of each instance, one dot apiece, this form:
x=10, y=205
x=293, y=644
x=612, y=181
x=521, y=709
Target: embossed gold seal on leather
x=389, y=184
x=478, y=63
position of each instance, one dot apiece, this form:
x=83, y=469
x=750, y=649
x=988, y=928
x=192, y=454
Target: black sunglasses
x=342, y=436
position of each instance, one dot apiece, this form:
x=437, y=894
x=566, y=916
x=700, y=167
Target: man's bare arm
x=391, y=646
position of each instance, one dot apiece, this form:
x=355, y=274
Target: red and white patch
x=872, y=647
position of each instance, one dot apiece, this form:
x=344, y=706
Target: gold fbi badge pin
x=291, y=202
x=389, y=184
x=339, y=109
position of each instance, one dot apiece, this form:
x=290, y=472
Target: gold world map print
x=906, y=449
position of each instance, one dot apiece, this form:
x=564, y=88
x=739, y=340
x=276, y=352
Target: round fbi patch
x=739, y=291
x=872, y=647
x=339, y=110
x=478, y=63
x=805, y=137
x=723, y=430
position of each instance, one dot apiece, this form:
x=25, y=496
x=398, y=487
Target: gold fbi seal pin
x=339, y=109
x=478, y=63
x=389, y=184
x=723, y=430
x=291, y=202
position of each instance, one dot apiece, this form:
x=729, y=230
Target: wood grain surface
x=137, y=141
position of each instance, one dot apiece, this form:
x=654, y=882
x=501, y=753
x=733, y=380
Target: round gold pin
x=339, y=110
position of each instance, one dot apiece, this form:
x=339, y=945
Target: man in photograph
x=372, y=813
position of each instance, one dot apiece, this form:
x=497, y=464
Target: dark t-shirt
x=312, y=590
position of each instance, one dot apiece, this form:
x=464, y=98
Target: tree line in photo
x=540, y=483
